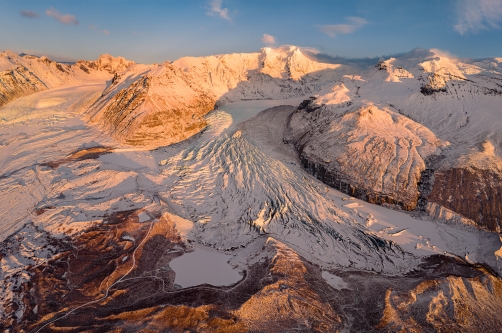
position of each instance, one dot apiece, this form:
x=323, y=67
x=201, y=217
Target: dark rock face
x=309, y=105
x=471, y=192
x=427, y=90
x=343, y=184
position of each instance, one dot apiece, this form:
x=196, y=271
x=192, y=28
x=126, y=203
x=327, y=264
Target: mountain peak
x=8, y=53
x=109, y=63
x=113, y=64
x=289, y=62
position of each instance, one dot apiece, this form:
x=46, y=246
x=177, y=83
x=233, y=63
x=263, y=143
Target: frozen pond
x=242, y=111
x=199, y=267
x=334, y=281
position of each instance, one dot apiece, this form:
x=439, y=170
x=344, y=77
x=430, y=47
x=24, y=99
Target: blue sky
x=150, y=31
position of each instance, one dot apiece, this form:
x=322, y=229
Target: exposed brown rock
x=451, y=304
x=18, y=82
x=80, y=155
x=281, y=292
x=472, y=192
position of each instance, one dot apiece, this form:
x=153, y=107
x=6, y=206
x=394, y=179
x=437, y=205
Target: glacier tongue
x=234, y=193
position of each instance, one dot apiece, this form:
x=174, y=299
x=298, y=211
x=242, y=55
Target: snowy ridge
x=396, y=73
x=26, y=74
x=107, y=62
x=378, y=152
x=278, y=73
x=162, y=104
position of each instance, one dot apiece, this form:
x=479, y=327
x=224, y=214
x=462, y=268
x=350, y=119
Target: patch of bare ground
x=80, y=155
x=115, y=277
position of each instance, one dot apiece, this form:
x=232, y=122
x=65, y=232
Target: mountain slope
x=376, y=155
x=156, y=108
x=159, y=105
x=21, y=75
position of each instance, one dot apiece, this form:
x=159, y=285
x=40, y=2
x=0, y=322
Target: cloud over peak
x=339, y=29
x=215, y=9
x=65, y=19
x=29, y=14
x=268, y=39
x=477, y=15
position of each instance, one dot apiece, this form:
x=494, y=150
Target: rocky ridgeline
x=22, y=75
x=18, y=82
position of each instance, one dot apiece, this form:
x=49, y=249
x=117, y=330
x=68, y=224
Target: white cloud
x=477, y=15
x=339, y=29
x=65, y=19
x=216, y=10
x=268, y=39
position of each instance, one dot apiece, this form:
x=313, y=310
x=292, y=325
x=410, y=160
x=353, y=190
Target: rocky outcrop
x=471, y=192
x=464, y=189
x=450, y=304
x=107, y=63
x=18, y=82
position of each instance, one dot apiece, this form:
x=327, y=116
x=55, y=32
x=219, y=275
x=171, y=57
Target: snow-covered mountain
x=423, y=129
x=364, y=151
x=21, y=75
x=163, y=104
